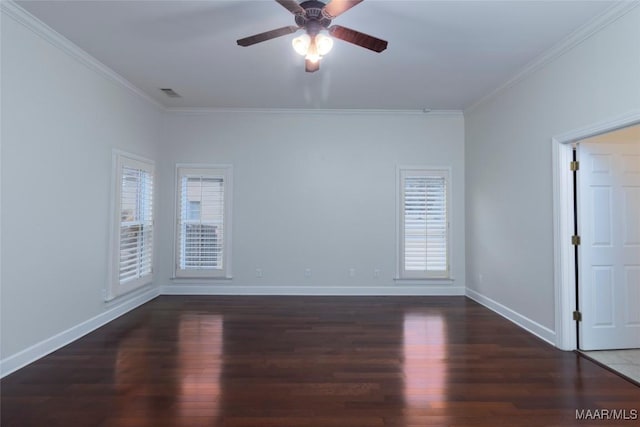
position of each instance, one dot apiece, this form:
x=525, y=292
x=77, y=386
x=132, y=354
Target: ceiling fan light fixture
x=314, y=58
x=301, y=44
x=315, y=17
x=312, y=53
x=324, y=44
x=312, y=47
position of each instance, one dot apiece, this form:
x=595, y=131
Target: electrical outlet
x=307, y=272
x=258, y=272
x=376, y=272
x=479, y=277
x=352, y=272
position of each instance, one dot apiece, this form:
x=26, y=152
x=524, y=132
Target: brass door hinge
x=577, y=316
x=574, y=166
x=575, y=240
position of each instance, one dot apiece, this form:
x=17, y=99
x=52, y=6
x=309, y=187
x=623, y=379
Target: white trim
x=422, y=170
x=524, y=322
x=564, y=276
x=425, y=280
x=611, y=14
x=225, y=171
x=614, y=123
x=114, y=287
x=133, y=156
x=20, y=15
x=206, y=111
x=228, y=229
x=562, y=248
x=397, y=218
x=312, y=290
x=203, y=166
x=16, y=361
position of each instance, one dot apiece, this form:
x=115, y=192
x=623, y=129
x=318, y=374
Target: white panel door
x=609, y=254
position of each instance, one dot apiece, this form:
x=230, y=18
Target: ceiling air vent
x=170, y=92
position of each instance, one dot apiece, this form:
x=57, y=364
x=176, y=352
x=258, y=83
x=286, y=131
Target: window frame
x=224, y=172
x=421, y=171
x=120, y=161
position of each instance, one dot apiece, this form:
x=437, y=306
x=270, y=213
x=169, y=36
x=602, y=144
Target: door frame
x=563, y=250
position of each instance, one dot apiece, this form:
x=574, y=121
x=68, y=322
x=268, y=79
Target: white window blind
x=136, y=224
x=424, y=224
x=202, y=222
x=133, y=248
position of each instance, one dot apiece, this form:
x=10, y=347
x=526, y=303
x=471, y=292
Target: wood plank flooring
x=311, y=361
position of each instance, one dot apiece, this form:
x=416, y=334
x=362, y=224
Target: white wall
x=60, y=122
x=508, y=154
x=313, y=190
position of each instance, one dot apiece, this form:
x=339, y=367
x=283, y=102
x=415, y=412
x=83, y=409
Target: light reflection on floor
x=132, y=374
x=200, y=357
x=197, y=367
x=425, y=374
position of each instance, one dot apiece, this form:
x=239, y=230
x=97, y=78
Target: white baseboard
x=49, y=345
x=524, y=322
x=312, y=290
x=41, y=349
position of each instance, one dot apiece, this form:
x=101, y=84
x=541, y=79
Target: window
x=204, y=207
x=423, y=223
x=132, y=253
x=193, y=210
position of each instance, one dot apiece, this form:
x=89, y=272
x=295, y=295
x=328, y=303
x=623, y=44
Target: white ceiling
x=441, y=54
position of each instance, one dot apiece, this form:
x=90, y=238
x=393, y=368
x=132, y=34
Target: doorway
x=598, y=291
x=608, y=213
x=608, y=220
x=563, y=213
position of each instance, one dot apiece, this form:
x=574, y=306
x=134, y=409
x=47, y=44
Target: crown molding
x=611, y=14
x=349, y=111
x=11, y=9
x=20, y=15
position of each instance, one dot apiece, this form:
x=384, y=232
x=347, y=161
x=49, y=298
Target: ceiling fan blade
x=310, y=66
x=338, y=7
x=267, y=35
x=292, y=6
x=358, y=38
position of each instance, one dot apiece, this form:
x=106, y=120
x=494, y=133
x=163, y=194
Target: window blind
x=136, y=224
x=425, y=224
x=201, y=222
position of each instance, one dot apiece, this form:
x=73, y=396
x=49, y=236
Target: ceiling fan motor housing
x=313, y=20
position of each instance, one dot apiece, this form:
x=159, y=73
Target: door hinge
x=577, y=316
x=575, y=240
x=574, y=165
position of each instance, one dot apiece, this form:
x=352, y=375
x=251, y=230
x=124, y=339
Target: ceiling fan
x=315, y=18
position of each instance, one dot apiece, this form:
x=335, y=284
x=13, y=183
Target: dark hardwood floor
x=311, y=361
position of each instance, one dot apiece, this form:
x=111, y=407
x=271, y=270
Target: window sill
x=422, y=280
x=202, y=278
